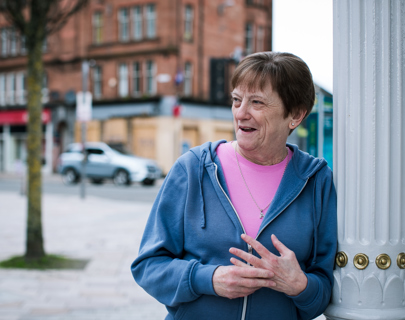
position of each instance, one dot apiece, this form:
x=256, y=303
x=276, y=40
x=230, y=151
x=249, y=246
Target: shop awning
x=18, y=117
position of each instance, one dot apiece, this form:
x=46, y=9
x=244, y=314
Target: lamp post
x=83, y=113
x=85, y=75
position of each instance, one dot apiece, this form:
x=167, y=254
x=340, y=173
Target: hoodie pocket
x=181, y=311
x=210, y=307
x=269, y=304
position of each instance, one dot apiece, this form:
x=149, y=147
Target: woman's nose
x=243, y=111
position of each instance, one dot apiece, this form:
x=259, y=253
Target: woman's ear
x=296, y=119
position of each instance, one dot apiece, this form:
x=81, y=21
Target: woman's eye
x=256, y=102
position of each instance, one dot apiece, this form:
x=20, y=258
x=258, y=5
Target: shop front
x=13, y=139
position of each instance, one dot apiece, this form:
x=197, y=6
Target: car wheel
x=97, y=181
x=148, y=182
x=70, y=176
x=121, y=178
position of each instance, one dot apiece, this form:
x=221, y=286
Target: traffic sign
x=83, y=106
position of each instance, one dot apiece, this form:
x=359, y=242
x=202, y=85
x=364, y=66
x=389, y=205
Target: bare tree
x=35, y=20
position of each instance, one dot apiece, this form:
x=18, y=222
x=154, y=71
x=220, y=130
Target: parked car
x=105, y=162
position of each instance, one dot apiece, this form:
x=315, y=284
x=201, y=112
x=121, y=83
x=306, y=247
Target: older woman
x=246, y=229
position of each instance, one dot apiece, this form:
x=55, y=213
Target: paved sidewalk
x=107, y=232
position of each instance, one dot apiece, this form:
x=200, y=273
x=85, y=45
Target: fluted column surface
x=369, y=156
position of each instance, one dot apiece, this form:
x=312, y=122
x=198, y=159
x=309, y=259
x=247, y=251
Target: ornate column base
x=334, y=312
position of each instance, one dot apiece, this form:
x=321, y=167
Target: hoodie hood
x=205, y=153
x=302, y=166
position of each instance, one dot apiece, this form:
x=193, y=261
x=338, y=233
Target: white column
x=369, y=159
x=6, y=148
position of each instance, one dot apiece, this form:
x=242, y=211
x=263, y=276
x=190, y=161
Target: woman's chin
x=245, y=144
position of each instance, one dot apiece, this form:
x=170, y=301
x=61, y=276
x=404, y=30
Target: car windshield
x=120, y=148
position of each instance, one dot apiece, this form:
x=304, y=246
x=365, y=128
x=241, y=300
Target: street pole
x=321, y=124
x=369, y=159
x=85, y=72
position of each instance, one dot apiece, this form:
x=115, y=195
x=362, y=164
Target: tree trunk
x=34, y=244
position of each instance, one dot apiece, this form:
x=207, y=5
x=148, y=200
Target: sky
x=305, y=28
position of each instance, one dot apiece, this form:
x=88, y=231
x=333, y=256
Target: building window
x=260, y=39
x=188, y=73
x=123, y=20
x=188, y=22
x=97, y=82
x=13, y=41
x=150, y=21
x=150, y=77
x=123, y=80
x=23, y=48
x=21, y=88
x=97, y=27
x=11, y=86
x=45, y=91
x=4, y=42
x=45, y=45
x=137, y=23
x=136, y=79
x=2, y=89
x=249, y=38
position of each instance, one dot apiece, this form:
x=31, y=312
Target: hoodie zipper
x=250, y=250
x=249, y=246
x=216, y=176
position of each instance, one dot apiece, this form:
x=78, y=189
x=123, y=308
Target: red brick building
x=147, y=56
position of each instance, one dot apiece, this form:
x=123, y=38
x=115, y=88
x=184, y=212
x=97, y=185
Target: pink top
x=263, y=182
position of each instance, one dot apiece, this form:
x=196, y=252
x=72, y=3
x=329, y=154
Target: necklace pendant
x=261, y=215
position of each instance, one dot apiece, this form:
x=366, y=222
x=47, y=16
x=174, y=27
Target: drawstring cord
x=201, y=175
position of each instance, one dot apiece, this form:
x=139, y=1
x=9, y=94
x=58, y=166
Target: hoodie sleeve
x=159, y=267
x=315, y=298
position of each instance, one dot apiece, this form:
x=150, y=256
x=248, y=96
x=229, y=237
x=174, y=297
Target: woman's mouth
x=247, y=129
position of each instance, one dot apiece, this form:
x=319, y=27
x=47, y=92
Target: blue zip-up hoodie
x=193, y=224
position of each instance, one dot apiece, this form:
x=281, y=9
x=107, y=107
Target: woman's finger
x=260, y=249
x=254, y=261
x=238, y=263
x=279, y=245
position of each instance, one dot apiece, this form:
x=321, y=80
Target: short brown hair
x=288, y=74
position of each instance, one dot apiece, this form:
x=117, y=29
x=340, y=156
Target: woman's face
x=259, y=119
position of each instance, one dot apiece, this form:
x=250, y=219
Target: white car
x=104, y=162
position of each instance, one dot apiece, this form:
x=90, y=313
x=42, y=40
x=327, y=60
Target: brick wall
x=216, y=31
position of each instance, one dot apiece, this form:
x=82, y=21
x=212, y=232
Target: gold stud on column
x=360, y=261
x=401, y=260
x=341, y=259
x=383, y=261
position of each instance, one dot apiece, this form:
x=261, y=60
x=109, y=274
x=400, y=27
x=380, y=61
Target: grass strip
x=49, y=261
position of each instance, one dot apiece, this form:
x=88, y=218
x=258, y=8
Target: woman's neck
x=263, y=158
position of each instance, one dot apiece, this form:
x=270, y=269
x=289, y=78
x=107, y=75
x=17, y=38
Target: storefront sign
x=18, y=117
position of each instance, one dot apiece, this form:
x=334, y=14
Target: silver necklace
x=240, y=170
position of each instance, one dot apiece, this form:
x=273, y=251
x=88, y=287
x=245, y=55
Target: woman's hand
x=240, y=281
x=288, y=276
